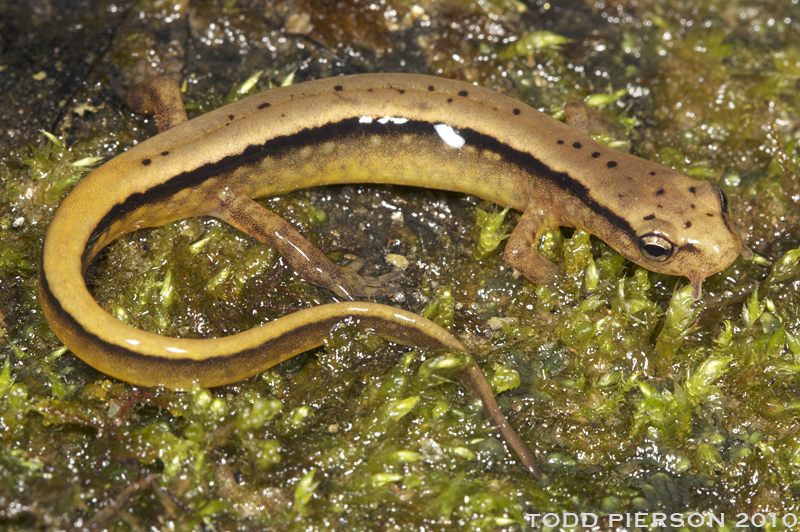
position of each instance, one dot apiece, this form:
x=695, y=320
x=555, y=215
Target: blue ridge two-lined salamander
x=398, y=129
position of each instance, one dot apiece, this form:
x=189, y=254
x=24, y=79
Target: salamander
x=399, y=129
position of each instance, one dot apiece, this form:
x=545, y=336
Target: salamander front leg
x=240, y=211
x=520, y=253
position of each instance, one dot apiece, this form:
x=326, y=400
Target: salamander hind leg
x=160, y=95
x=242, y=212
x=520, y=253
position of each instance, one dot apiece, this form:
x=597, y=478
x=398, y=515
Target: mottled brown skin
x=384, y=128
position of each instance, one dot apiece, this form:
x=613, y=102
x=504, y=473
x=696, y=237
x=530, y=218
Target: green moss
x=634, y=397
x=493, y=232
x=680, y=315
x=441, y=309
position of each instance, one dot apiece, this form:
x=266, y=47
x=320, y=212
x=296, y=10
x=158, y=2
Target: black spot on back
x=401, y=91
x=164, y=153
x=338, y=88
x=264, y=105
x=652, y=173
x=576, y=145
x=463, y=93
x=595, y=155
x=431, y=88
x=611, y=164
x=650, y=217
x=660, y=192
x=710, y=214
x=693, y=190
x=517, y=111
x=692, y=206
x=687, y=224
x=449, y=100
x=560, y=142
x=230, y=117
x=146, y=162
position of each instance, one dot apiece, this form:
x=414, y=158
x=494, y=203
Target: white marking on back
x=392, y=119
x=449, y=136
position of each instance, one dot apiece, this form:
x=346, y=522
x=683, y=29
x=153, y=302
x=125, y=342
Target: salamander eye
x=655, y=247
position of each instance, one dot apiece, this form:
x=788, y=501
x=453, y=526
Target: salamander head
x=694, y=237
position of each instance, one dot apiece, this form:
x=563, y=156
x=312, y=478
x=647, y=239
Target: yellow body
x=385, y=128
x=328, y=132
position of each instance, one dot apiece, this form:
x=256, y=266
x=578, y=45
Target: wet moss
x=633, y=397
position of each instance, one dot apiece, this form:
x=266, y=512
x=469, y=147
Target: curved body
x=385, y=128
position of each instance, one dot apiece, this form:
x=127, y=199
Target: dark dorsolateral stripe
x=277, y=146
x=281, y=342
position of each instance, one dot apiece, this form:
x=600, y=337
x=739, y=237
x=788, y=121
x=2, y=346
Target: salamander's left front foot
x=520, y=253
